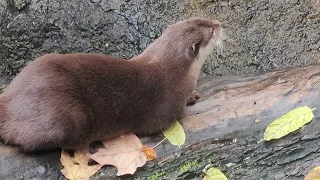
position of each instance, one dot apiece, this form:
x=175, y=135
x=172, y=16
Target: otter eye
x=212, y=30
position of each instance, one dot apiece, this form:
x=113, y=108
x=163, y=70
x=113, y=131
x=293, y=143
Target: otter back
x=72, y=100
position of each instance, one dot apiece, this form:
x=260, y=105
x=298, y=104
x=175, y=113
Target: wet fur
x=71, y=100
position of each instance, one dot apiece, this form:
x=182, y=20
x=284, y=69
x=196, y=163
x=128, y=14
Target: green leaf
x=175, y=134
x=288, y=123
x=214, y=174
x=314, y=174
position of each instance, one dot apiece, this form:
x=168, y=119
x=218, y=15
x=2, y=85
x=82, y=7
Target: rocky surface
x=261, y=35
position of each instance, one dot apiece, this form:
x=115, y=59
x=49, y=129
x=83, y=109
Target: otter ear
x=195, y=48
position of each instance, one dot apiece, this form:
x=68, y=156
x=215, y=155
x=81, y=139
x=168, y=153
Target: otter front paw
x=193, y=97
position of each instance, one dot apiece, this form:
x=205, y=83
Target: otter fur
x=70, y=100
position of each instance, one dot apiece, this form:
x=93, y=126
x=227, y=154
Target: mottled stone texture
x=261, y=34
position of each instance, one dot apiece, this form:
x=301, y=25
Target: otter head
x=187, y=42
x=192, y=41
x=195, y=38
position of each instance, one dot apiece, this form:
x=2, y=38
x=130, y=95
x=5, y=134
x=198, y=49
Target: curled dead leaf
x=214, y=174
x=76, y=167
x=314, y=174
x=149, y=152
x=175, y=134
x=124, y=152
x=288, y=123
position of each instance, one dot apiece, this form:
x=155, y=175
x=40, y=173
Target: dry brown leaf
x=76, y=167
x=124, y=152
x=149, y=152
x=314, y=174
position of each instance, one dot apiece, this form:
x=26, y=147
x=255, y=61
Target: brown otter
x=70, y=100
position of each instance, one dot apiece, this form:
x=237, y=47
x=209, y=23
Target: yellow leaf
x=76, y=167
x=124, y=152
x=175, y=134
x=149, y=152
x=288, y=123
x=314, y=174
x=214, y=174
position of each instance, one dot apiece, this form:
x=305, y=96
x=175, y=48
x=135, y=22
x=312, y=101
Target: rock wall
x=261, y=34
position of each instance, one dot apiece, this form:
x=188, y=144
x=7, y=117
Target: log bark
x=224, y=130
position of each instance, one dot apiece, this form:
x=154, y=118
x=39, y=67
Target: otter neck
x=172, y=62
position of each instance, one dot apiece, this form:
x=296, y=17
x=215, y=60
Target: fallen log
x=224, y=129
